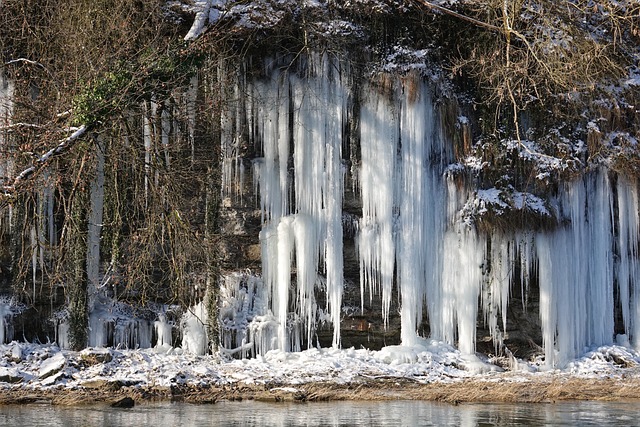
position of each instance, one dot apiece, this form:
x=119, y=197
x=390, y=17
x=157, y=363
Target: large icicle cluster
x=299, y=122
x=580, y=263
x=403, y=198
x=413, y=234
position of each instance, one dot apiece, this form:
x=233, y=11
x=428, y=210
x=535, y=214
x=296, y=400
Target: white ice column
x=453, y=309
x=271, y=171
x=628, y=266
x=319, y=111
x=421, y=202
x=379, y=127
x=600, y=319
x=464, y=254
x=305, y=115
x=576, y=271
x=334, y=101
x=280, y=290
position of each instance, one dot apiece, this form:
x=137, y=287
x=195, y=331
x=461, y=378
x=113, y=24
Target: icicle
x=453, y=309
x=461, y=281
x=379, y=140
x=281, y=289
x=414, y=233
x=62, y=334
x=306, y=243
x=576, y=272
x=271, y=171
x=308, y=112
x=333, y=242
x=165, y=131
x=163, y=332
x=95, y=225
x=495, y=293
x=232, y=164
x=628, y=267
x=194, y=331
x=599, y=313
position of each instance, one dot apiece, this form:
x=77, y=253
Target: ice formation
x=316, y=128
x=5, y=313
x=194, y=330
x=163, y=332
x=412, y=235
x=6, y=109
x=302, y=211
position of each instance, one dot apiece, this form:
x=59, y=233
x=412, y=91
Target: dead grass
x=537, y=390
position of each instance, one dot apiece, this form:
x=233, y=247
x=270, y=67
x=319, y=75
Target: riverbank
x=540, y=390
x=31, y=373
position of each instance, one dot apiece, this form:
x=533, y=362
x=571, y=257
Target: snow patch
x=52, y=366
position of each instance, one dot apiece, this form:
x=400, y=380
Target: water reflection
x=392, y=413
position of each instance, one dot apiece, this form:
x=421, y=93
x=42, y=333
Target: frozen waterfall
x=411, y=236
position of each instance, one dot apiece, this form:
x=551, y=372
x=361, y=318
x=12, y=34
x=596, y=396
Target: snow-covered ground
x=35, y=366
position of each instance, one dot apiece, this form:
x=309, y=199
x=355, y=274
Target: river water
x=388, y=413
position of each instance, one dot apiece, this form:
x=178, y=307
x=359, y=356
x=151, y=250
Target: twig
x=28, y=61
x=63, y=146
x=20, y=125
x=459, y=16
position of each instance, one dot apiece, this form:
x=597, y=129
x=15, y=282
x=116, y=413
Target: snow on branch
x=13, y=126
x=207, y=12
x=63, y=146
x=24, y=60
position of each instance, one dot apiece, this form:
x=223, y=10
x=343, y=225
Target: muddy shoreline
x=538, y=390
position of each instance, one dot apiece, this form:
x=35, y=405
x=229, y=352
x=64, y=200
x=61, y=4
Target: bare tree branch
x=20, y=125
x=25, y=60
x=459, y=16
x=63, y=146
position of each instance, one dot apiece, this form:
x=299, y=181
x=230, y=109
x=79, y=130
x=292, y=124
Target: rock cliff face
x=342, y=180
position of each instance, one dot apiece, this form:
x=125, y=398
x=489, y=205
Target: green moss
x=101, y=99
x=152, y=74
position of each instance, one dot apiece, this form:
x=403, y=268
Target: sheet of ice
x=413, y=232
